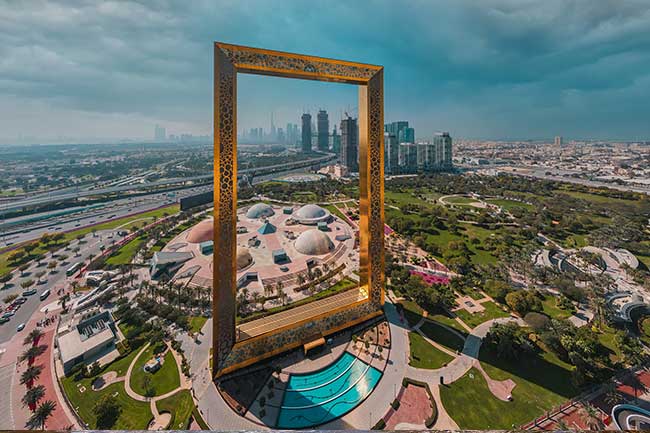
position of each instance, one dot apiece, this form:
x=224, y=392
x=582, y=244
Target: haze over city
x=496, y=69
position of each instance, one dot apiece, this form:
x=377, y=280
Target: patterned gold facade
x=229, y=60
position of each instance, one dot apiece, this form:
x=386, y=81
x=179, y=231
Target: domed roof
x=310, y=211
x=313, y=242
x=260, y=210
x=243, y=258
x=202, y=232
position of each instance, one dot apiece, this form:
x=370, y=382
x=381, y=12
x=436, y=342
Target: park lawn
x=552, y=310
x=126, y=252
x=596, y=198
x=442, y=336
x=413, y=314
x=400, y=199
x=508, y=204
x=424, y=355
x=576, y=241
x=335, y=211
x=543, y=381
x=162, y=381
x=180, y=406
x=135, y=415
x=644, y=259
x=196, y=323
x=492, y=311
x=304, y=196
x=607, y=337
x=460, y=200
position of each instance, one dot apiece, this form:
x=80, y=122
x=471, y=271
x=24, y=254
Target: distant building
x=407, y=158
x=350, y=144
x=159, y=133
x=306, y=133
x=558, y=141
x=323, y=124
x=336, y=142
x=335, y=171
x=444, y=152
x=394, y=128
x=407, y=135
x=391, y=157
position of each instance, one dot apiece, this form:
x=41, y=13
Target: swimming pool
x=315, y=398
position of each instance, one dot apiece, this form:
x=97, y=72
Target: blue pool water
x=316, y=398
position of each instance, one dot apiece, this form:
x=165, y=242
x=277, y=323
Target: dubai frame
x=230, y=350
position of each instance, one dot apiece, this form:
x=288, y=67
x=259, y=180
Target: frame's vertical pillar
x=224, y=284
x=371, y=188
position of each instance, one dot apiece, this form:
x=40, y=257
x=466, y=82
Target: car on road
x=29, y=292
x=3, y=320
x=20, y=327
x=21, y=300
x=8, y=314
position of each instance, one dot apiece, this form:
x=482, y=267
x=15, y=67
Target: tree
x=33, y=337
x=537, y=321
x=107, y=411
x=16, y=256
x=40, y=275
x=32, y=353
x=508, y=340
x=33, y=396
x=592, y=419
x=40, y=415
x=27, y=283
x=31, y=373
x=523, y=301
x=4, y=279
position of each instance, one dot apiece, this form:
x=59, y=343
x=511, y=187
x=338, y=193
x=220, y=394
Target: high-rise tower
x=306, y=133
x=350, y=144
x=323, y=124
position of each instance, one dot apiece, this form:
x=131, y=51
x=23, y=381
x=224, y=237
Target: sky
x=488, y=69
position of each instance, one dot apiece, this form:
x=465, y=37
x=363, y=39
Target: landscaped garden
x=424, y=355
x=492, y=311
x=442, y=336
x=160, y=382
x=180, y=405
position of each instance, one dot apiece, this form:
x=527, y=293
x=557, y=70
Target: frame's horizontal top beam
x=289, y=65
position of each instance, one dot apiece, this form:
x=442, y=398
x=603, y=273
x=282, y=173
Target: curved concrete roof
x=202, y=232
x=313, y=242
x=260, y=210
x=244, y=258
x=311, y=214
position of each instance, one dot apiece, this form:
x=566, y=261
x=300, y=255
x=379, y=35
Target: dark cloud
x=500, y=68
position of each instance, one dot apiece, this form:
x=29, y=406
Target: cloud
x=500, y=68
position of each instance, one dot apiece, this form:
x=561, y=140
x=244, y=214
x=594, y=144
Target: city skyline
x=497, y=70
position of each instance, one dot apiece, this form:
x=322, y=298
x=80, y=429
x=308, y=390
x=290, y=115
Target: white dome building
x=313, y=242
x=259, y=210
x=311, y=214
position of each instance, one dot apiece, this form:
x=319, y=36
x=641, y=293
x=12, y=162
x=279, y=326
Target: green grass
x=126, y=253
x=442, y=336
x=508, y=204
x=424, y=355
x=596, y=198
x=607, y=337
x=196, y=323
x=413, y=313
x=552, y=310
x=335, y=211
x=460, y=200
x=164, y=380
x=135, y=415
x=492, y=311
x=542, y=382
x=180, y=406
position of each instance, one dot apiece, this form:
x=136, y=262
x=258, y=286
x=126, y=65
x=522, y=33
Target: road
x=109, y=211
x=52, y=280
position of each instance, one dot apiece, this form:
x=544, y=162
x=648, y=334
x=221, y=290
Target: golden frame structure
x=229, y=60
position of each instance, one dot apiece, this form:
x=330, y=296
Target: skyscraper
x=159, y=133
x=390, y=154
x=323, y=130
x=274, y=135
x=350, y=144
x=336, y=142
x=406, y=135
x=395, y=128
x=443, y=151
x=558, y=141
x=407, y=158
x=306, y=133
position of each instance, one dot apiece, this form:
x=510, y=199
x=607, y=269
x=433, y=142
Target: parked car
x=20, y=327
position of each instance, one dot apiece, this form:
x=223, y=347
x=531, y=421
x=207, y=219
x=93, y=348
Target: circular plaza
x=279, y=248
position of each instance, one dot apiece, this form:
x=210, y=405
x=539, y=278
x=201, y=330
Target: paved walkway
x=160, y=420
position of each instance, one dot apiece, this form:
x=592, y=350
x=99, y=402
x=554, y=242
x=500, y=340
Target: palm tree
x=278, y=288
x=33, y=337
x=31, y=373
x=33, y=396
x=32, y=353
x=592, y=417
x=300, y=279
x=40, y=415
